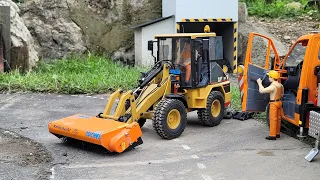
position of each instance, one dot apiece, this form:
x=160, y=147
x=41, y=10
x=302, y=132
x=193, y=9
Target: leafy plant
x=279, y=9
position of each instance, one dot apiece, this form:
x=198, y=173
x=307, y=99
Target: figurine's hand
x=259, y=81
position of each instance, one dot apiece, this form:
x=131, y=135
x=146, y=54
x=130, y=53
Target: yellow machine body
x=161, y=97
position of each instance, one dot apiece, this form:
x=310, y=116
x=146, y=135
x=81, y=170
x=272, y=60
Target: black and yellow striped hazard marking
x=208, y=20
x=178, y=27
x=235, y=35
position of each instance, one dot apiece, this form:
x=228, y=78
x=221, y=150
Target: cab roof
x=187, y=35
x=309, y=36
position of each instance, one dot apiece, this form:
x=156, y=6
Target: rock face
x=55, y=34
x=259, y=48
x=243, y=12
x=101, y=26
x=57, y=28
x=20, y=35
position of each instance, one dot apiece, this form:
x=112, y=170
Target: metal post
x=5, y=31
x=317, y=142
x=1, y=49
x=303, y=112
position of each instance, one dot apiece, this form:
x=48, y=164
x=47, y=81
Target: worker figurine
x=186, y=58
x=276, y=91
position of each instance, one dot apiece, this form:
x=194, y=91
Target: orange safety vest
x=186, y=54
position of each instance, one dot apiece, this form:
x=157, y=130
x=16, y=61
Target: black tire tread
x=204, y=115
x=160, y=116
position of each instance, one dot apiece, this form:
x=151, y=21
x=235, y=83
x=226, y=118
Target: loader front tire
x=170, y=118
x=213, y=114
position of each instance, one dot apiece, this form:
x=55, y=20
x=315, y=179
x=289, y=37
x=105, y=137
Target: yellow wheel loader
x=187, y=76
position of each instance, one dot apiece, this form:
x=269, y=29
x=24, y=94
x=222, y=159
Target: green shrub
x=278, y=9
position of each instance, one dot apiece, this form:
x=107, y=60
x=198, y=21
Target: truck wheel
x=213, y=114
x=170, y=118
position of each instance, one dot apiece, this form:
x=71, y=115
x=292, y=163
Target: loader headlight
x=225, y=68
x=240, y=69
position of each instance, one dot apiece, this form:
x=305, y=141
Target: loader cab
x=195, y=56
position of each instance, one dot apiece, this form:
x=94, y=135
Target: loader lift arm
x=149, y=95
x=119, y=131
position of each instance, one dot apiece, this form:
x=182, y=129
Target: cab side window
x=297, y=54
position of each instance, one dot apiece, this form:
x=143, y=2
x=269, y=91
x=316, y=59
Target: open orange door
x=253, y=100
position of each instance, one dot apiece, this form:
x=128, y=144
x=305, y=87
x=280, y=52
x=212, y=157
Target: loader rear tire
x=213, y=114
x=170, y=118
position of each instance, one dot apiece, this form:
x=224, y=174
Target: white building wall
x=137, y=44
x=186, y=9
x=181, y=9
x=148, y=32
x=170, y=7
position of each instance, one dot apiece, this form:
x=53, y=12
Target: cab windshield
x=176, y=50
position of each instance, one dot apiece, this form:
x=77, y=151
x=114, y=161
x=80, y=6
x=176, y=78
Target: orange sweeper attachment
x=113, y=135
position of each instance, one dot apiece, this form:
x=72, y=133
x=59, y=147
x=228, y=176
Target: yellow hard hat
x=273, y=74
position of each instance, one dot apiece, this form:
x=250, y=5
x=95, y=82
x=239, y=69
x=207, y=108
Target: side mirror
x=150, y=45
x=150, y=48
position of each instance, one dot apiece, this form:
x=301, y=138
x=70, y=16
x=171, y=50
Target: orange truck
x=300, y=76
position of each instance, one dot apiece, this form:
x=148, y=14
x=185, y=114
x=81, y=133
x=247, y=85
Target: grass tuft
x=90, y=74
x=235, y=98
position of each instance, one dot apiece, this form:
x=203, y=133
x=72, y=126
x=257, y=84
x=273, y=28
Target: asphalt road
x=233, y=150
